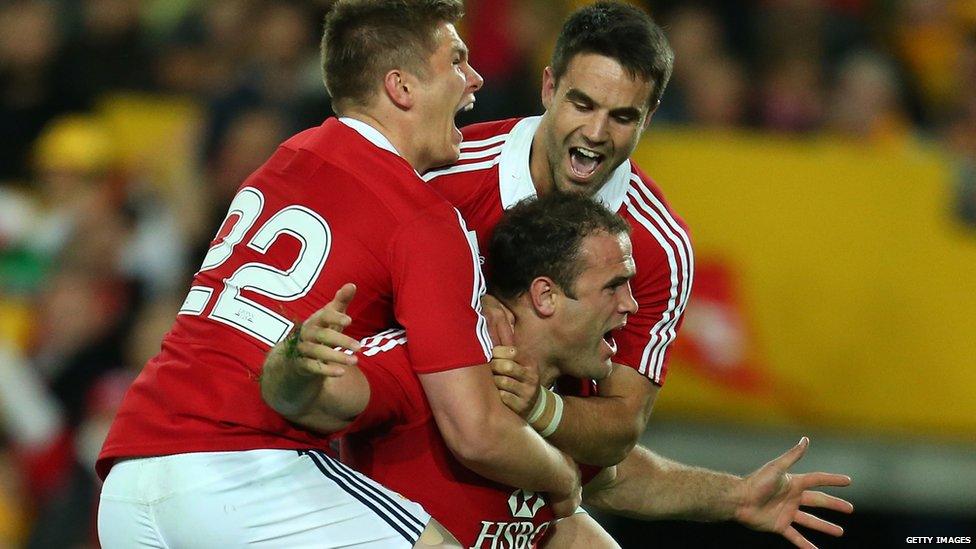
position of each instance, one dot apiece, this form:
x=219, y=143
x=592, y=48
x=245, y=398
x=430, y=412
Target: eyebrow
x=461, y=50
x=575, y=95
x=618, y=280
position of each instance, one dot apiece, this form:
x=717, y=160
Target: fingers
x=808, y=480
x=512, y=402
x=505, y=383
x=327, y=317
x=792, y=455
x=506, y=352
x=327, y=369
x=515, y=395
x=333, y=314
x=795, y=538
x=343, y=297
x=328, y=337
x=500, y=320
x=825, y=501
x=501, y=331
x=326, y=354
x=816, y=523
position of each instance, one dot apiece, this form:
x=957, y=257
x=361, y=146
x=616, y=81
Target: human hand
x=518, y=385
x=500, y=321
x=321, y=341
x=772, y=496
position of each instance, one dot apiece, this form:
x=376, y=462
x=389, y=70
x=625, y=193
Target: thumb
x=794, y=454
x=343, y=297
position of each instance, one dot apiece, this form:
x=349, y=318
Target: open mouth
x=467, y=106
x=608, y=339
x=464, y=107
x=584, y=162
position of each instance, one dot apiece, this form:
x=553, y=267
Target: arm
x=311, y=383
x=596, y=430
x=492, y=441
x=648, y=486
x=438, y=302
x=602, y=430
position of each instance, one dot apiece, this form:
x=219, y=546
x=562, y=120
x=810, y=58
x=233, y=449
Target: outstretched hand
x=772, y=497
x=321, y=340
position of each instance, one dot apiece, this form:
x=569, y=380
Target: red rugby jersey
x=395, y=441
x=334, y=204
x=493, y=174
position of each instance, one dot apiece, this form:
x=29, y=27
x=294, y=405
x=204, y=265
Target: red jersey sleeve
x=662, y=286
x=393, y=388
x=438, y=283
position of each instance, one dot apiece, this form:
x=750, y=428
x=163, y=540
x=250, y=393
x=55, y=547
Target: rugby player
x=567, y=264
x=194, y=457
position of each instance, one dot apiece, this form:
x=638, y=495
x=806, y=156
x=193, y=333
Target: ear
x=650, y=115
x=398, y=88
x=542, y=292
x=548, y=87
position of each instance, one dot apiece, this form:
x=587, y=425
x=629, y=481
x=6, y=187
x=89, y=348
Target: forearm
x=602, y=430
x=490, y=439
x=285, y=387
x=535, y=465
x=650, y=487
x=597, y=430
x=323, y=403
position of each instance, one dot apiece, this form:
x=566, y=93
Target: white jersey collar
x=515, y=176
x=371, y=134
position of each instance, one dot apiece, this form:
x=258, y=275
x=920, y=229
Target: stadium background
x=822, y=151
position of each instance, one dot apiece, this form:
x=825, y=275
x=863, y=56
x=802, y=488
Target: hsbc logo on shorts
x=522, y=534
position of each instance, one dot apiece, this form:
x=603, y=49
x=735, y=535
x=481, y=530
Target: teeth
x=587, y=153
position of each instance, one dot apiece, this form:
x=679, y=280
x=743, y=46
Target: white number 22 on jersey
x=235, y=310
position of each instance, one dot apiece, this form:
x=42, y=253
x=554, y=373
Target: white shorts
x=263, y=498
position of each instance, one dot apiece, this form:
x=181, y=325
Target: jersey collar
x=515, y=177
x=372, y=135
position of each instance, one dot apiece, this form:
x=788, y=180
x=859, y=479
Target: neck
x=539, y=166
x=397, y=128
x=533, y=344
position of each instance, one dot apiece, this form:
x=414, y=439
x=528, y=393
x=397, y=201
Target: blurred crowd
x=126, y=126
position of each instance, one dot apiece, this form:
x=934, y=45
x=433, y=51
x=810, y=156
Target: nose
x=474, y=80
x=595, y=128
x=627, y=303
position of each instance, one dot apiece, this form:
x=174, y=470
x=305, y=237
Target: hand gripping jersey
x=334, y=204
x=493, y=174
x=395, y=441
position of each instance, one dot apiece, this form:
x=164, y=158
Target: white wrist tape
x=540, y=405
x=556, y=418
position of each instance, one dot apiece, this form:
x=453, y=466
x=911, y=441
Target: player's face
x=448, y=89
x=603, y=301
x=594, y=117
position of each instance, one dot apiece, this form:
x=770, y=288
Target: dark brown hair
x=542, y=237
x=364, y=39
x=621, y=32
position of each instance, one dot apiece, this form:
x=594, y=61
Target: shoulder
x=476, y=171
x=480, y=148
x=659, y=234
x=495, y=129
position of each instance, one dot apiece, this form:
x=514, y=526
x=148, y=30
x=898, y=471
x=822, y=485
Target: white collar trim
x=371, y=134
x=515, y=177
